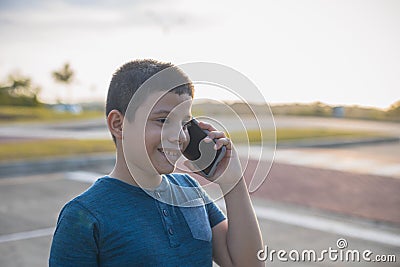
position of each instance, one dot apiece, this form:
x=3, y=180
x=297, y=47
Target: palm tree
x=64, y=76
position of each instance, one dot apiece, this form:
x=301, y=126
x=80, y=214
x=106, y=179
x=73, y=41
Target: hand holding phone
x=201, y=154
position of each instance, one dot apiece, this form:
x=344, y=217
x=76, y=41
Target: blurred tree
x=65, y=76
x=394, y=111
x=18, y=90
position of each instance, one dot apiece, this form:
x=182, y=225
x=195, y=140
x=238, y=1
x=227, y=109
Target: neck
x=134, y=176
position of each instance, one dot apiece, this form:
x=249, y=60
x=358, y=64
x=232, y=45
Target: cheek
x=152, y=138
x=135, y=141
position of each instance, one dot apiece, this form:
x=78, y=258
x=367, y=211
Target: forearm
x=244, y=237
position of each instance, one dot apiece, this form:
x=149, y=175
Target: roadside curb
x=11, y=169
x=327, y=143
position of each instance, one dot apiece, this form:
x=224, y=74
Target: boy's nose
x=177, y=136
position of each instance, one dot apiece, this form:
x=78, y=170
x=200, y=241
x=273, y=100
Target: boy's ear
x=115, y=121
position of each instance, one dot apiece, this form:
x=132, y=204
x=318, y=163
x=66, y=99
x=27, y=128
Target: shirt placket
x=168, y=220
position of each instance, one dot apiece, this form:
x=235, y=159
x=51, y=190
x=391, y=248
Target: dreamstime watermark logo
x=339, y=254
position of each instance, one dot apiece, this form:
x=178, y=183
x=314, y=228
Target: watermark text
x=339, y=253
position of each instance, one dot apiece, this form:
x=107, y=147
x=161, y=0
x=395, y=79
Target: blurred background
x=328, y=71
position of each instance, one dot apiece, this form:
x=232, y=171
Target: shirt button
x=170, y=231
x=165, y=212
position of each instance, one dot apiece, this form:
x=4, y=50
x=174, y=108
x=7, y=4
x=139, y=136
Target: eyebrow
x=161, y=111
x=166, y=112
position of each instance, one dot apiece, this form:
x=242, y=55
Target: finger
x=222, y=142
x=206, y=126
x=207, y=139
x=216, y=134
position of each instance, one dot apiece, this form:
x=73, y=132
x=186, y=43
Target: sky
x=336, y=52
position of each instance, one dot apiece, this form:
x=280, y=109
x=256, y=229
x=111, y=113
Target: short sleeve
x=215, y=214
x=74, y=240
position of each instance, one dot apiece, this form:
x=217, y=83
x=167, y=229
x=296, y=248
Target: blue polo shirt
x=116, y=224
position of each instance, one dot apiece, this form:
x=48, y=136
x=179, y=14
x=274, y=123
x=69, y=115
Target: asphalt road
x=29, y=207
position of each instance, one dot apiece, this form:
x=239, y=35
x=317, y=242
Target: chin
x=166, y=170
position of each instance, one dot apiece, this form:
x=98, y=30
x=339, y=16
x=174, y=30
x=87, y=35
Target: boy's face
x=155, y=137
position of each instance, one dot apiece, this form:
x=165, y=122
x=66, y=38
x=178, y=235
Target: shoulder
x=96, y=188
x=77, y=207
x=85, y=202
x=74, y=217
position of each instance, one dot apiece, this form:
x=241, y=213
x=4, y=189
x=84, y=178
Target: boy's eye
x=162, y=120
x=165, y=120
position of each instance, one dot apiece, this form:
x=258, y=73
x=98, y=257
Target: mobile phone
x=202, y=154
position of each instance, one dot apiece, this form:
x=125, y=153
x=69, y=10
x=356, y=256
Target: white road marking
x=325, y=225
x=342, y=163
x=26, y=235
x=319, y=158
x=82, y=176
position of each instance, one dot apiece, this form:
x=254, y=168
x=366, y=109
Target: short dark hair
x=132, y=75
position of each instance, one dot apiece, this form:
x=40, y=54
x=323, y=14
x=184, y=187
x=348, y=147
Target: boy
x=142, y=214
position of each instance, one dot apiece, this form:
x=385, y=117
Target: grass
x=10, y=114
x=289, y=134
x=34, y=149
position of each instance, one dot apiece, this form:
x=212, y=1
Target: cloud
x=19, y=4
x=89, y=14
